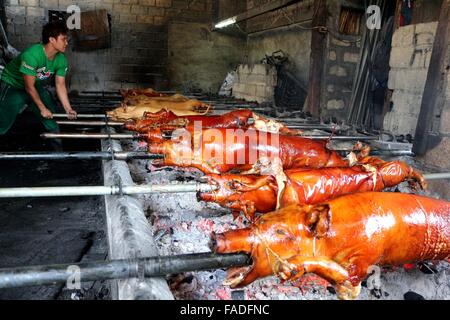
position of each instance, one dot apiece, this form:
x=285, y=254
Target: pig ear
x=318, y=220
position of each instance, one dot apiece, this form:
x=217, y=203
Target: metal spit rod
x=142, y=136
x=100, y=155
x=102, y=116
x=91, y=136
x=118, y=269
x=79, y=191
x=37, y=192
x=118, y=123
x=129, y=155
x=91, y=123
x=81, y=116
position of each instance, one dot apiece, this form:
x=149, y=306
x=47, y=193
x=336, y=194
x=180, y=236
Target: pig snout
x=232, y=241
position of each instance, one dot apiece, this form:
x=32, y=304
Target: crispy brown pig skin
x=341, y=239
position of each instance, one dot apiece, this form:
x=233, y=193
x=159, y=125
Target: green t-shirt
x=34, y=62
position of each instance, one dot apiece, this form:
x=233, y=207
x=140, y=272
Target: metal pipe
x=80, y=116
x=118, y=269
x=103, y=155
x=437, y=176
x=90, y=136
x=37, y=192
x=118, y=124
x=392, y=153
x=142, y=136
x=90, y=123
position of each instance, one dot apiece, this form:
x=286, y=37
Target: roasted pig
x=221, y=150
x=341, y=240
x=143, y=99
x=254, y=193
x=180, y=108
x=149, y=92
x=166, y=120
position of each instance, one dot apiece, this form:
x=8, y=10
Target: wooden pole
x=433, y=95
x=318, y=46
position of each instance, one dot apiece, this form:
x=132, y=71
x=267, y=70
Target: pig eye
x=281, y=232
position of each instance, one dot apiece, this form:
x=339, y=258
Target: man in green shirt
x=21, y=80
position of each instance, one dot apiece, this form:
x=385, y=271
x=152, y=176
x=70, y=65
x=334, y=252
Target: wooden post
x=433, y=95
x=398, y=10
x=318, y=46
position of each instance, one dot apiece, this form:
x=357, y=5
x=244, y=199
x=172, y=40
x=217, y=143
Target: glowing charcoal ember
x=223, y=294
x=206, y=225
x=409, y=266
x=142, y=144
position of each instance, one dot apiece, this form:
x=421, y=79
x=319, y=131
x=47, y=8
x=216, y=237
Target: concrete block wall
x=342, y=55
x=410, y=58
x=255, y=83
x=293, y=40
x=138, y=56
x=438, y=156
x=203, y=62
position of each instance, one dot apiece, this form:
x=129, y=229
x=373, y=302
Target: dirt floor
x=36, y=231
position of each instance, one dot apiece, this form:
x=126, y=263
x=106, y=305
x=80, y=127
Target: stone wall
x=203, y=61
x=255, y=83
x=138, y=56
x=410, y=58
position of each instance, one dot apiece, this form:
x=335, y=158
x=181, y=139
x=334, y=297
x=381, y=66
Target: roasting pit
x=181, y=225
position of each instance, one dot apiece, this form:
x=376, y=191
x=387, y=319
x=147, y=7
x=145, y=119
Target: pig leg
x=246, y=187
x=331, y=271
x=247, y=208
x=417, y=179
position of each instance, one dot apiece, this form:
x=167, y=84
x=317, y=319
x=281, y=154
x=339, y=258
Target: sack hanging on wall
x=227, y=86
x=95, y=32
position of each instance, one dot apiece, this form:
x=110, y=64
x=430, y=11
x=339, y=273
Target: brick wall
x=410, y=58
x=255, y=83
x=138, y=56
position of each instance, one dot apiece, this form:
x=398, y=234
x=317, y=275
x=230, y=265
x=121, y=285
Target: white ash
x=183, y=225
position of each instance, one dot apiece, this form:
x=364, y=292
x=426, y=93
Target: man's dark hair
x=53, y=30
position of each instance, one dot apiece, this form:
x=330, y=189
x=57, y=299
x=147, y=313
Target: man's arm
x=61, y=91
x=31, y=90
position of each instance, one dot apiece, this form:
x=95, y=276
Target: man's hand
x=45, y=113
x=71, y=114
